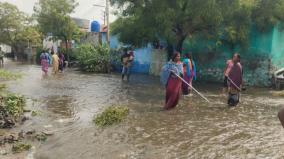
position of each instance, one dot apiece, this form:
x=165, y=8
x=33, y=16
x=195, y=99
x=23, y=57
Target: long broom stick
x=234, y=84
x=201, y=95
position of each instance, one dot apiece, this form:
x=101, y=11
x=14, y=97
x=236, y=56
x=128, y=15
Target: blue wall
x=142, y=56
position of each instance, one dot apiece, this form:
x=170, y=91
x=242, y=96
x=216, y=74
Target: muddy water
x=195, y=129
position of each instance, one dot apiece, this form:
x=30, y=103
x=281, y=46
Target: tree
x=268, y=13
x=16, y=29
x=226, y=21
x=11, y=20
x=172, y=20
x=53, y=17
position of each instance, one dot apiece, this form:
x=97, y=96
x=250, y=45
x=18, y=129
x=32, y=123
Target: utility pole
x=108, y=27
x=107, y=19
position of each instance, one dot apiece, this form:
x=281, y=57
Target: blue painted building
x=142, y=56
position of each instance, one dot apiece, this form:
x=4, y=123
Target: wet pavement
x=195, y=129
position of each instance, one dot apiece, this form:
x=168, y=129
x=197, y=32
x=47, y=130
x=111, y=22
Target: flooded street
x=195, y=129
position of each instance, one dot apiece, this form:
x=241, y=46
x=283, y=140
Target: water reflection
x=60, y=105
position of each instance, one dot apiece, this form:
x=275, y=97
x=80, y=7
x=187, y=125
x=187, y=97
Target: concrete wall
x=265, y=53
x=277, y=50
x=158, y=59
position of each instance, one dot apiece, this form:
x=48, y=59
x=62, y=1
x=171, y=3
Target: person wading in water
x=45, y=60
x=189, y=74
x=234, y=80
x=127, y=59
x=172, y=82
x=2, y=54
x=55, y=62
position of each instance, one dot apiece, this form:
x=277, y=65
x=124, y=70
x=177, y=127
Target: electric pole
x=107, y=19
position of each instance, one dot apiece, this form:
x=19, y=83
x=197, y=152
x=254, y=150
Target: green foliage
x=268, y=13
x=16, y=28
x=115, y=55
x=53, y=17
x=111, y=115
x=14, y=105
x=34, y=113
x=20, y=147
x=41, y=137
x=3, y=86
x=226, y=21
x=93, y=58
x=144, y=21
x=11, y=20
x=6, y=75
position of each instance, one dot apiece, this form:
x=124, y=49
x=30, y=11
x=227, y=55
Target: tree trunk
x=179, y=45
x=170, y=50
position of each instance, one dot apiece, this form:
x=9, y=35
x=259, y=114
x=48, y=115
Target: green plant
x=14, y=105
x=41, y=137
x=20, y=147
x=34, y=113
x=3, y=87
x=93, y=58
x=111, y=115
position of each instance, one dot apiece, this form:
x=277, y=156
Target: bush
x=14, y=105
x=20, y=147
x=111, y=116
x=93, y=58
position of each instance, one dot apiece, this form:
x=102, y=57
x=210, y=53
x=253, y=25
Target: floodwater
x=194, y=130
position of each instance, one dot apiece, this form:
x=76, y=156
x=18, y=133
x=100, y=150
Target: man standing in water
x=1, y=57
x=127, y=59
x=234, y=80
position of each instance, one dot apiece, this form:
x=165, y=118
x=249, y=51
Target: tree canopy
x=143, y=21
x=53, y=17
x=16, y=28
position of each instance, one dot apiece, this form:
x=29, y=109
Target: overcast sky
x=85, y=9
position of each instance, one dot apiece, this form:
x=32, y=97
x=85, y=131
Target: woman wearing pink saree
x=172, y=82
x=44, y=60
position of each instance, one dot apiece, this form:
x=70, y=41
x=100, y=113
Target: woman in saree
x=55, y=62
x=189, y=73
x=61, y=62
x=172, y=82
x=235, y=81
x=44, y=60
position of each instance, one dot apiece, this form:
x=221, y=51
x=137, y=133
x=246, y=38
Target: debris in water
x=111, y=115
x=34, y=113
x=277, y=93
x=41, y=137
x=20, y=147
x=7, y=75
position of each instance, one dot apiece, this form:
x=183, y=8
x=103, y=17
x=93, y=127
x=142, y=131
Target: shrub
x=14, y=105
x=111, y=115
x=20, y=147
x=93, y=58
